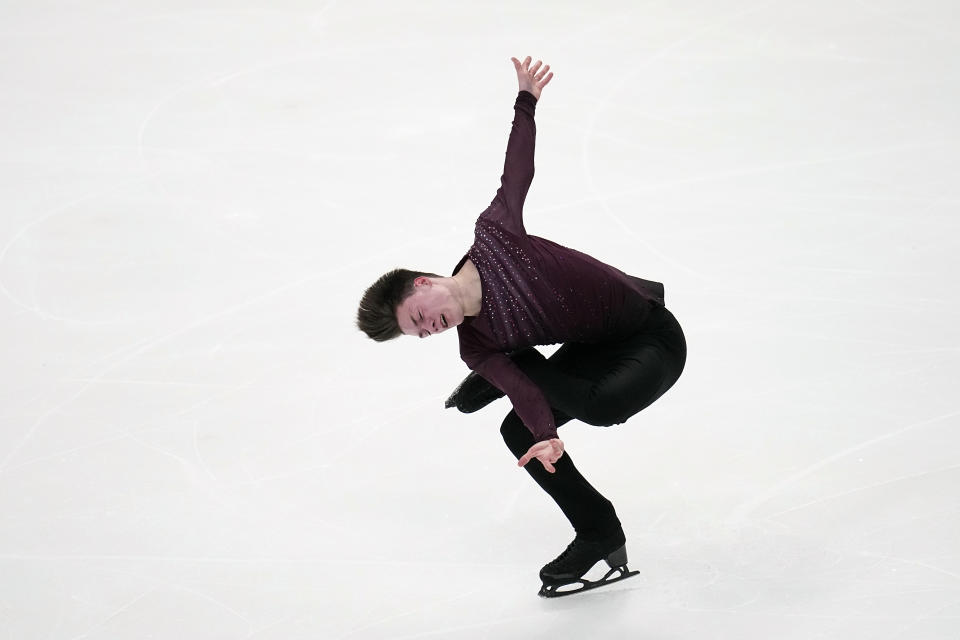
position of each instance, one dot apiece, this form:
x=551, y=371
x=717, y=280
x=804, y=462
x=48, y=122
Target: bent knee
x=600, y=416
x=604, y=411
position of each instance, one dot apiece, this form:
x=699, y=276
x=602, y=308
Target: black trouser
x=601, y=384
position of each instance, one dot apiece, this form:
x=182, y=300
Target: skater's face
x=430, y=309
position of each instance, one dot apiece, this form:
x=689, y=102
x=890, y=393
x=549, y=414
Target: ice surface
x=196, y=442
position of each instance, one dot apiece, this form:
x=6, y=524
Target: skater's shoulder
x=498, y=217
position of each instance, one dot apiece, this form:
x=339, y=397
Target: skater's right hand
x=532, y=79
x=547, y=452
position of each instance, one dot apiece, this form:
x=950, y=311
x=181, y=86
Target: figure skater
x=622, y=349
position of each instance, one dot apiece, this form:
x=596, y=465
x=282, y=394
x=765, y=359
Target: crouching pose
x=622, y=349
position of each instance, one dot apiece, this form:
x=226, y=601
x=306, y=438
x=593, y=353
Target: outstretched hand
x=547, y=452
x=532, y=79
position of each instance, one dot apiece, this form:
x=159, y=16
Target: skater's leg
x=591, y=514
x=600, y=384
x=606, y=383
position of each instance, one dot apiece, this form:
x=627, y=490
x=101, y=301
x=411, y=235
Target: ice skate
x=581, y=555
x=474, y=393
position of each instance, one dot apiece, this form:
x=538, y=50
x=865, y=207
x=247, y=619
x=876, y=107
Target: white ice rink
x=197, y=443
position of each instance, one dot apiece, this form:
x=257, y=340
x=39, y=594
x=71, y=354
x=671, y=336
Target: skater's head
x=404, y=302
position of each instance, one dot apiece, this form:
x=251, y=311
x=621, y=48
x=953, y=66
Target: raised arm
x=518, y=166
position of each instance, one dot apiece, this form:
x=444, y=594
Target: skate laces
x=562, y=555
x=572, y=548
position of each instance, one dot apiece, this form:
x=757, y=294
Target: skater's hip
x=659, y=327
x=665, y=326
x=662, y=331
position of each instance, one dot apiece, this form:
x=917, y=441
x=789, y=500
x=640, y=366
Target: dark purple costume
x=536, y=291
x=622, y=347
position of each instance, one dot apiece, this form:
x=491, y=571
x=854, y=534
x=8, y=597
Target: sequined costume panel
x=538, y=292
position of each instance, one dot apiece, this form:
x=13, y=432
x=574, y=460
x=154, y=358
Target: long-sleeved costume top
x=537, y=292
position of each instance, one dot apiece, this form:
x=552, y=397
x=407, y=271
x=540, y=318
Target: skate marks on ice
x=742, y=512
x=638, y=68
x=130, y=352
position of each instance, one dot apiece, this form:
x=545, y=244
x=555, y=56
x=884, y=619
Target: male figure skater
x=622, y=349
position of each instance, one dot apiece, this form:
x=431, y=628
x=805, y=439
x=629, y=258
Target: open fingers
x=540, y=450
x=525, y=65
x=535, y=451
x=535, y=71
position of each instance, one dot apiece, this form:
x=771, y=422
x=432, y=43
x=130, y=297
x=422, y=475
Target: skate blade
x=560, y=590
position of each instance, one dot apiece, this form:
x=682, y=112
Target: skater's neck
x=471, y=289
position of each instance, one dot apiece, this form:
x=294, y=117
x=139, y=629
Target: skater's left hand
x=532, y=78
x=547, y=452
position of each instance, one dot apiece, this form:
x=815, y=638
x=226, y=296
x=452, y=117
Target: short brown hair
x=377, y=315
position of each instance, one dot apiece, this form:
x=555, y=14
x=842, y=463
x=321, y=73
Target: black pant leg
x=605, y=383
x=600, y=384
x=590, y=513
